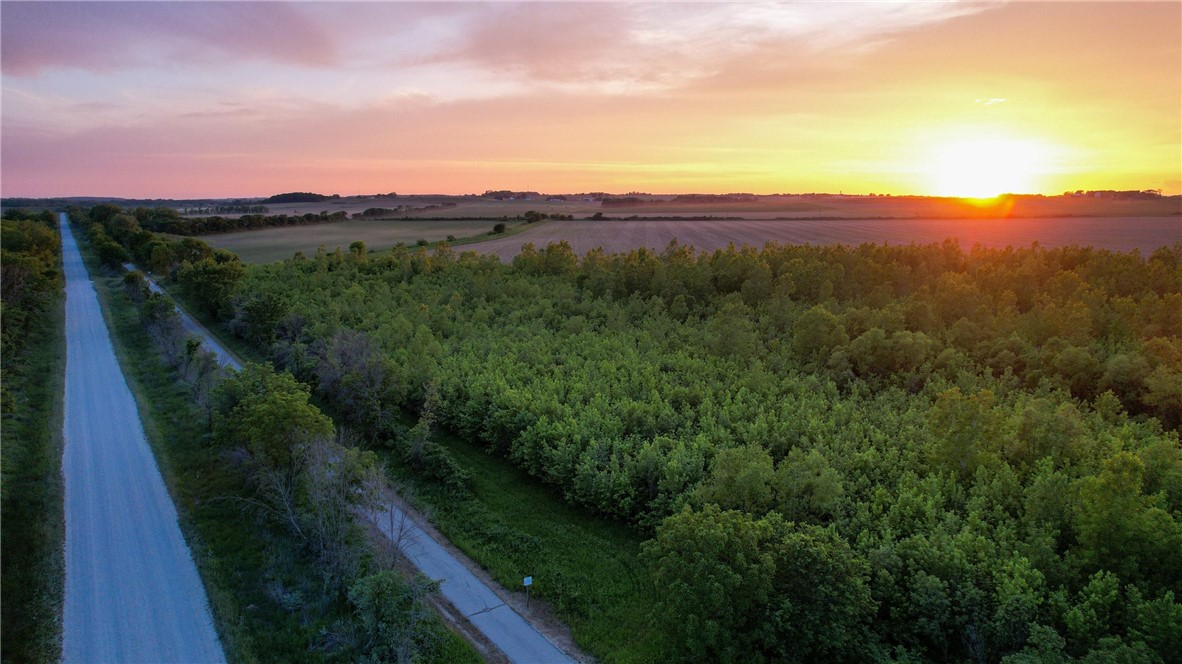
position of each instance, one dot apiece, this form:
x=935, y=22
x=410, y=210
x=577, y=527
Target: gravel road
x=132, y=590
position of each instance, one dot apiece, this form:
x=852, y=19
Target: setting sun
x=987, y=167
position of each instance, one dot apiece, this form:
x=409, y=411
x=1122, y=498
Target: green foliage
x=211, y=281
x=952, y=416
x=398, y=624
x=737, y=588
x=741, y=479
x=965, y=429
x=268, y=413
x=33, y=350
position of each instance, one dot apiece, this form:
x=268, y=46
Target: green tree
x=965, y=430
x=807, y=487
x=737, y=588
x=395, y=617
x=716, y=581
x=740, y=478
x=211, y=281
x=816, y=333
x=268, y=413
x=1124, y=531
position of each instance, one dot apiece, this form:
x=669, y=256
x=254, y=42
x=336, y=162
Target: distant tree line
x=402, y=210
x=225, y=209
x=170, y=221
x=1131, y=194
x=299, y=197
x=505, y=194
x=691, y=199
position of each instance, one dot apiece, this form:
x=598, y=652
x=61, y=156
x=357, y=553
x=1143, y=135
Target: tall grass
x=585, y=566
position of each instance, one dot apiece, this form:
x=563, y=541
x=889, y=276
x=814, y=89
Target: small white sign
x=529, y=581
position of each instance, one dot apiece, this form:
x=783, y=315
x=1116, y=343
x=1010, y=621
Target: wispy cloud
x=105, y=36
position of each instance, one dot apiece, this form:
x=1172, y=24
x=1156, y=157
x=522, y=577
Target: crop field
x=762, y=207
x=1116, y=233
x=274, y=244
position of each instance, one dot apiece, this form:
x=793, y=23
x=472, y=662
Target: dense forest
x=30, y=276
x=903, y=453
x=299, y=197
x=30, y=486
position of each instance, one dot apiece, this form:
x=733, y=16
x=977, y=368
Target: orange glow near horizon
x=159, y=99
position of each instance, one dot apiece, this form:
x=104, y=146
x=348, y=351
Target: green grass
x=585, y=566
x=32, y=527
x=268, y=245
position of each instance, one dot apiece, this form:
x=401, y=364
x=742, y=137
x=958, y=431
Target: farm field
x=278, y=243
x=1115, y=233
x=763, y=207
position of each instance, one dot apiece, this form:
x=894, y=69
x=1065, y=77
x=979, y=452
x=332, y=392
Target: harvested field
x=275, y=244
x=1116, y=233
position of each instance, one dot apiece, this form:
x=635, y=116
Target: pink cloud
x=103, y=36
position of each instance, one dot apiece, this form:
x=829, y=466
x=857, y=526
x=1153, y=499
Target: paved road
x=132, y=591
x=193, y=328
x=518, y=639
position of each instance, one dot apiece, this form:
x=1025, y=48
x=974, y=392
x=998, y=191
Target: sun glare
x=984, y=168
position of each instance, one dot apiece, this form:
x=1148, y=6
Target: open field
x=763, y=207
x=278, y=243
x=1116, y=233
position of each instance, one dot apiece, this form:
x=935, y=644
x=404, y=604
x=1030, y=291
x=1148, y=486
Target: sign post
x=527, y=582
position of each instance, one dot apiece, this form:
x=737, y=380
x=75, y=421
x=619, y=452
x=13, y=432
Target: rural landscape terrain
x=793, y=332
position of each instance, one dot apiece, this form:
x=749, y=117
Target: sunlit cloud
x=711, y=96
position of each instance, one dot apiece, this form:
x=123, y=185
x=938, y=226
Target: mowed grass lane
x=1115, y=233
x=274, y=244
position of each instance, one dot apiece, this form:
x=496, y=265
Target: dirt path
x=132, y=590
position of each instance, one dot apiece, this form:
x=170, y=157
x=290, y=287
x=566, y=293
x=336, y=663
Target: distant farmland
x=1116, y=233
x=275, y=244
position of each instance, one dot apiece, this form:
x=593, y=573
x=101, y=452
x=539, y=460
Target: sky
x=237, y=99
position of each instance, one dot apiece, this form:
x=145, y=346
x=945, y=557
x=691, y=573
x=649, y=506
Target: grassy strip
x=585, y=566
x=520, y=227
x=265, y=594
x=32, y=526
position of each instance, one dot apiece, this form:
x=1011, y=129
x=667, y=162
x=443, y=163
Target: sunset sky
x=249, y=99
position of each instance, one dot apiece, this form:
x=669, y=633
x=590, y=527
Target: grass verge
x=513, y=526
x=32, y=526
